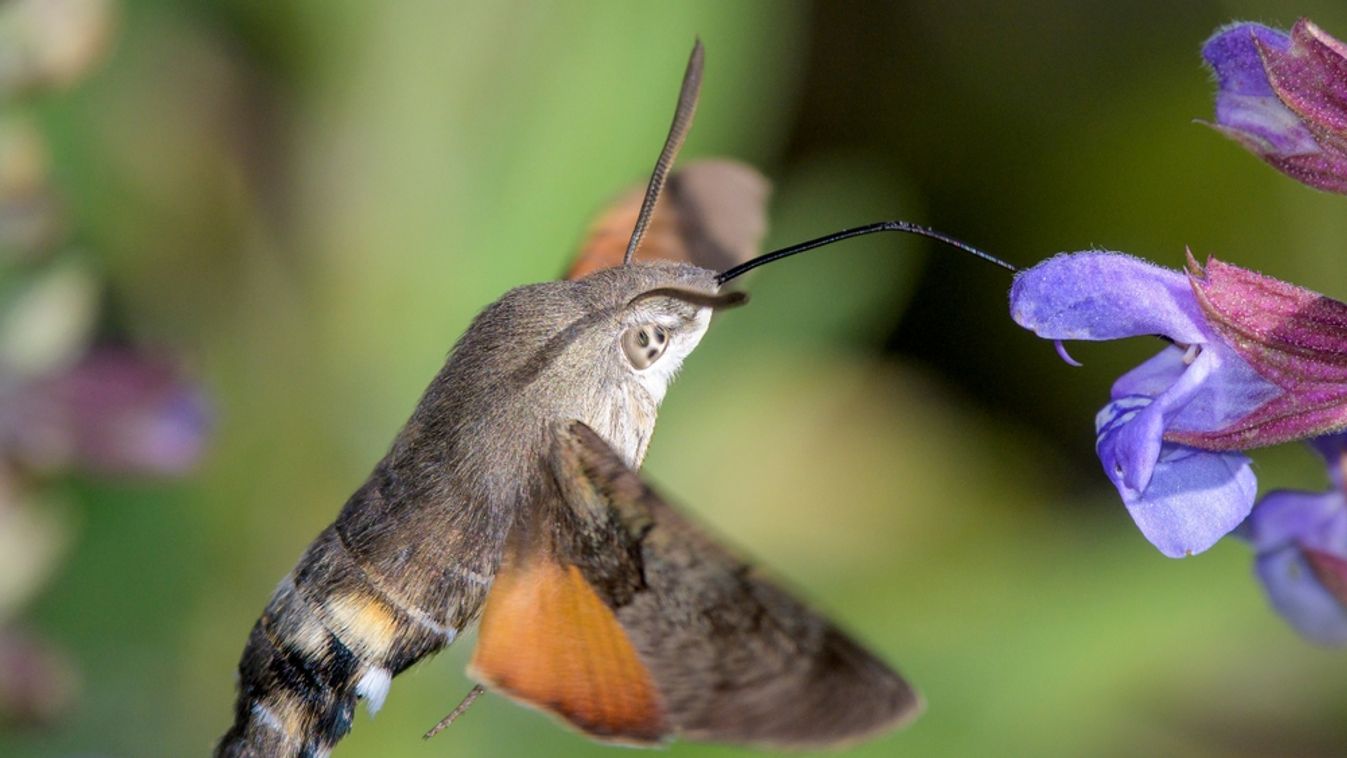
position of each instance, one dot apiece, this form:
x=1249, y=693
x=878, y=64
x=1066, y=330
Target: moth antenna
x=678, y=131
x=462, y=708
x=905, y=227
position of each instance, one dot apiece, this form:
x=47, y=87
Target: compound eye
x=644, y=344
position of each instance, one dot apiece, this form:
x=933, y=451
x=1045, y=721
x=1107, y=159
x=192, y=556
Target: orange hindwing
x=547, y=640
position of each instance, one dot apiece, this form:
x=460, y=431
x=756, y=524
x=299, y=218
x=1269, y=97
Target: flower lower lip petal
x=1194, y=498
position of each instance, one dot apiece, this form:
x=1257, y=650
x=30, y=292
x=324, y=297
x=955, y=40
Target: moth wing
x=547, y=640
x=712, y=214
x=732, y=656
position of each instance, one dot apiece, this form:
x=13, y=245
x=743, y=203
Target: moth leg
x=459, y=710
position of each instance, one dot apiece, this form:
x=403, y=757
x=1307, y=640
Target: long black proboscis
x=859, y=231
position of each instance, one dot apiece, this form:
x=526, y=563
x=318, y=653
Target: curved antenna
x=687, y=105
x=881, y=226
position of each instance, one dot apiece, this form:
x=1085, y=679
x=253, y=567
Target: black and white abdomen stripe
x=330, y=636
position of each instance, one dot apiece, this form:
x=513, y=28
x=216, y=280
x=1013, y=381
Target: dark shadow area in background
x=878, y=76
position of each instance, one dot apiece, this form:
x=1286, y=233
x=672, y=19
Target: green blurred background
x=310, y=199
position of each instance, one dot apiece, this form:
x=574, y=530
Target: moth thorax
x=630, y=422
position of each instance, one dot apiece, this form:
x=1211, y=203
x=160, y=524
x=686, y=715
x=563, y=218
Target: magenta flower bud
x=1284, y=98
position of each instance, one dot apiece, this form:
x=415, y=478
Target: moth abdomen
x=297, y=688
x=373, y=619
x=329, y=637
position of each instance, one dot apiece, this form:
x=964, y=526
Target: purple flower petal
x=1183, y=499
x=1333, y=449
x=1194, y=498
x=1233, y=55
x=1137, y=444
x=1104, y=296
x=1298, y=596
x=1290, y=517
x=1153, y=376
x=1301, y=541
x=1128, y=442
x=1132, y=427
x=1247, y=108
x=1236, y=391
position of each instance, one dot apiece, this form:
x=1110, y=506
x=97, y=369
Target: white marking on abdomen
x=373, y=688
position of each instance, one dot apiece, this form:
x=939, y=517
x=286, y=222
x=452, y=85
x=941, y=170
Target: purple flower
x=1182, y=497
x=1254, y=361
x=1284, y=98
x=1301, y=543
x=102, y=409
x=116, y=411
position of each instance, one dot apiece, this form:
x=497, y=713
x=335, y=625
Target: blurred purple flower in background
x=115, y=411
x=1301, y=543
x=1284, y=98
x=67, y=407
x=68, y=403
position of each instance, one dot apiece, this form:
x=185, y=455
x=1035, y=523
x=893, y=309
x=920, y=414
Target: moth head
x=664, y=310
x=601, y=349
x=618, y=328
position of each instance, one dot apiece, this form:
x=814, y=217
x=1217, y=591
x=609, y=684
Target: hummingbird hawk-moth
x=511, y=499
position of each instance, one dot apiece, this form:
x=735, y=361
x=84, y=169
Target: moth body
x=408, y=562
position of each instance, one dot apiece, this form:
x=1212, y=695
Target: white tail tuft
x=373, y=688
